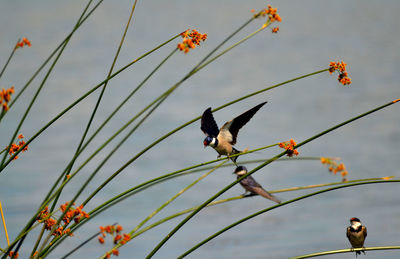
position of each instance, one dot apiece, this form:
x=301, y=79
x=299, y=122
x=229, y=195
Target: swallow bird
x=250, y=185
x=222, y=140
x=356, y=233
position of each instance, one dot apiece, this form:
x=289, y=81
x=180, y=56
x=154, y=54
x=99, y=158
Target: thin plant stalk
x=277, y=206
x=65, y=43
x=71, y=164
x=375, y=248
x=90, y=122
x=9, y=58
x=246, y=196
x=4, y=224
x=170, y=234
x=81, y=21
x=142, y=186
x=169, y=201
x=82, y=98
x=122, y=196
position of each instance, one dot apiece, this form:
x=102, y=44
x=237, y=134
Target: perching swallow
x=250, y=185
x=222, y=140
x=356, y=233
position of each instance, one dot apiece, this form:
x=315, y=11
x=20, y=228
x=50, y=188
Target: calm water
x=364, y=34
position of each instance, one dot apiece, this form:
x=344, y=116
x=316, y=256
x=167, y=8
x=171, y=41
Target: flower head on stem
x=272, y=15
x=5, y=97
x=117, y=236
x=23, y=42
x=191, y=38
x=15, y=147
x=343, y=76
x=289, y=146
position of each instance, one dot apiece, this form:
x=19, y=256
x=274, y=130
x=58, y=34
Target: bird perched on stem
x=356, y=233
x=222, y=140
x=250, y=185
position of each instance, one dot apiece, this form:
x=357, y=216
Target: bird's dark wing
x=365, y=231
x=208, y=124
x=232, y=127
x=348, y=232
x=252, y=186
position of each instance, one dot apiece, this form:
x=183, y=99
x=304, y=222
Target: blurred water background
x=365, y=34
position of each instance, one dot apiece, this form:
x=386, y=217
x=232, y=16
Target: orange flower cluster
x=114, y=231
x=73, y=214
x=5, y=97
x=23, y=42
x=270, y=12
x=13, y=255
x=15, y=147
x=343, y=77
x=49, y=222
x=190, y=40
x=289, y=146
x=335, y=167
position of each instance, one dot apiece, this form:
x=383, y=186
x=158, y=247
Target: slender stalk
x=277, y=206
x=89, y=124
x=4, y=224
x=83, y=243
x=82, y=98
x=168, y=236
x=168, y=202
x=346, y=251
x=51, y=55
x=107, y=205
x=64, y=44
x=71, y=164
x=9, y=58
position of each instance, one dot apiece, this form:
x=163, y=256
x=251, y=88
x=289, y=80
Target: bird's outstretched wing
x=232, y=127
x=208, y=124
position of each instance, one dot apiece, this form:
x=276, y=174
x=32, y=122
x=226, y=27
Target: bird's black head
x=240, y=169
x=207, y=141
x=354, y=219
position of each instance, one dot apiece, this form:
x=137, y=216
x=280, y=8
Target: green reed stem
x=168, y=202
x=87, y=129
x=9, y=58
x=32, y=102
x=82, y=98
x=71, y=164
x=162, y=97
x=136, y=189
x=277, y=206
x=168, y=236
x=36, y=94
x=242, y=197
x=346, y=251
x=143, y=186
x=81, y=21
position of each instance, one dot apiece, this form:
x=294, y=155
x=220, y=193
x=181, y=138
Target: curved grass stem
x=166, y=204
x=346, y=251
x=169, y=235
x=39, y=132
x=277, y=206
x=87, y=128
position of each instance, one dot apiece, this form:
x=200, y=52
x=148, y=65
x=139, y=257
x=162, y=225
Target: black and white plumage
x=250, y=185
x=222, y=140
x=356, y=233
